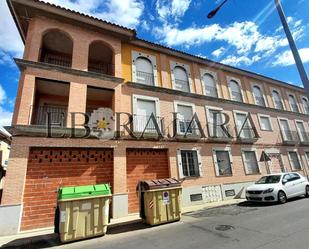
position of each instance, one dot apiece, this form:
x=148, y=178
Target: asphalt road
x=248, y=226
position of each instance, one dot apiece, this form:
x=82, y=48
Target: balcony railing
x=289, y=137
x=182, y=85
x=304, y=137
x=306, y=109
x=57, y=59
x=294, y=108
x=211, y=91
x=278, y=105
x=259, y=101
x=58, y=115
x=187, y=127
x=237, y=96
x=101, y=67
x=140, y=124
x=145, y=78
x=217, y=133
x=247, y=134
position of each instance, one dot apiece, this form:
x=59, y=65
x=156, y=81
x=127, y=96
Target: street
x=243, y=226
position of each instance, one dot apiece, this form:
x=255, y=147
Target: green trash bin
x=83, y=211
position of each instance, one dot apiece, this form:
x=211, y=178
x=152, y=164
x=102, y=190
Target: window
x=184, y=117
x=301, y=131
x=215, y=119
x=265, y=123
x=243, y=126
x=293, y=104
x=223, y=163
x=305, y=105
x=181, y=79
x=307, y=157
x=285, y=129
x=189, y=163
x=250, y=162
x=258, y=96
x=144, y=71
x=277, y=100
x=235, y=91
x=209, y=83
x=143, y=107
x=294, y=160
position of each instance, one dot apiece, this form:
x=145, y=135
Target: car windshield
x=269, y=179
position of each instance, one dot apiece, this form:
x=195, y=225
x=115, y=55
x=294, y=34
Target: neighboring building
x=4, y=154
x=76, y=63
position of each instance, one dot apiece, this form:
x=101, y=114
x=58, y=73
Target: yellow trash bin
x=160, y=201
x=83, y=211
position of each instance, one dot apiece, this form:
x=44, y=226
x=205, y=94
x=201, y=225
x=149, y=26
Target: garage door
x=144, y=164
x=48, y=169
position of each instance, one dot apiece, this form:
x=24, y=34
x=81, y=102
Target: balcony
x=306, y=109
x=145, y=78
x=247, y=135
x=236, y=96
x=216, y=134
x=58, y=115
x=211, y=91
x=185, y=130
x=278, y=105
x=289, y=137
x=143, y=123
x=182, y=85
x=101, y=67
x=304, y=138
x=57, y=59
x=294, y=108
x=259, y=101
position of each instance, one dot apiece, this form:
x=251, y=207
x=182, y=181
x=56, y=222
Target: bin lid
x=160, y=183
x=83, y=191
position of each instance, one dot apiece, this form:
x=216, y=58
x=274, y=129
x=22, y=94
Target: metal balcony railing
x=187, y=127
x=278, y=105
x=304, y=137
x=140, y=124
x=58, y=115
x=237, y=96
x=56, y=59
x=211, y=91
x=306, y=109
x=294, y=108
x=101, y=67
x=145, y=78
x=182, y=85
x=248, y=134
x=216, y=132
x=289, y=137
x=259, y=101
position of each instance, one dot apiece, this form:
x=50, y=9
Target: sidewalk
x=46, y=238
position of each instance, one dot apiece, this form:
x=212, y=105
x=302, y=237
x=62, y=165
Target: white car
x=278, y=188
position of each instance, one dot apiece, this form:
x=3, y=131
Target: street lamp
x=298, y=61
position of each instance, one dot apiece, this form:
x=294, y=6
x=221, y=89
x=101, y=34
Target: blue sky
x=246, y=34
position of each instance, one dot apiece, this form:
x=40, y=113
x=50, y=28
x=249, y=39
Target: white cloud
x=286, y=58
x=175, y=9
x=6, y=117
x=233, y=60
x=2, y=95
x=218, y=52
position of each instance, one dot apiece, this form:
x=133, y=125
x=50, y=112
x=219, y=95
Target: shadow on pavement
x=127, y=228
x=266, y=204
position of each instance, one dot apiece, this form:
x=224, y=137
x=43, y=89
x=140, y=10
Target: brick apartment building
x=76, y=63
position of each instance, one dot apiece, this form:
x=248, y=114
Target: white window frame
x=306, y=157
x=303, y=107
x=179, y=162
x=262, y=91
x=136, y=97
x=260, y=122
x=282, y=118
x=280, y=95
x=207, y=108
x=296, y=102
x=238, y=81
x=228, y=149
x=299, y=159
x=186, y=67
x=243, y=150
x=176, y=103
x=215, y=77
x=298, y=131
x=152, y=58
x=235, y=112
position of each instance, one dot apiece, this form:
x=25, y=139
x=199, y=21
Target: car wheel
x=307, y=191
x=282, y=197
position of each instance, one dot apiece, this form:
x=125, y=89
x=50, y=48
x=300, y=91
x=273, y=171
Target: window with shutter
x=144, y=71
x=223, y=162
x=185, y=114
x=235, y=91
x=210, y=88
x=251, y=163
x=189, y=163
x=181, y=79
x=294, y=160
x=265, y=123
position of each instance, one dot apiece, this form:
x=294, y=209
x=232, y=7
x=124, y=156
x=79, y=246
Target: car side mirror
x=284, y=181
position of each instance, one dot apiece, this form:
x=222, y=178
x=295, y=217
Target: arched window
x=209, y=85
x=305, y=105
x=57, y=48
x=258, y=96
x=293, y=103
x=235, y=91
x=144, y=71
x=100, y=59
x=181, y=79
x=277, y=100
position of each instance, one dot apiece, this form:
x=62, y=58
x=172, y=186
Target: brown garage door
x=144, y=164
x=48, y=169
